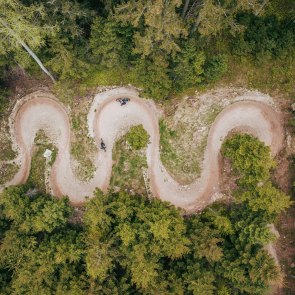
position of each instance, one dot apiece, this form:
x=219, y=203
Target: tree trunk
x=184, y=10
x=28, y=49
x=261, y=7
x=196, y=24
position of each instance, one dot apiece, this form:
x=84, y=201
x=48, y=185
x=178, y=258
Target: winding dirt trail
x=107, y=119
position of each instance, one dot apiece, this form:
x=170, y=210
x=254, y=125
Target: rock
x=47, y=154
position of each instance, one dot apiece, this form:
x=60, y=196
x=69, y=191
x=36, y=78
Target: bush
x=137, y=137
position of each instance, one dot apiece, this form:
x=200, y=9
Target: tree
x=266, y=198
x=250, y=159
x=263, y=267
x=215, y=67
x=111, y=43
x=67, y=51
x=264, y=37
x=152, y=76
x=157, y=23
x=66, y=61
x=189, y=67
x=137, y=137
x=137, y=236
x=51, y=265
x=32, y=212
x=210, y=17
x=199, y=281
x=19, y=29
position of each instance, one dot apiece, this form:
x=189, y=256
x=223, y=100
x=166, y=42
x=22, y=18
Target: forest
x=125, y=244
x=118, y=243
x=162, y=47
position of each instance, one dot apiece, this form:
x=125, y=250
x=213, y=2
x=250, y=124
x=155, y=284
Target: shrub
x=137, y=137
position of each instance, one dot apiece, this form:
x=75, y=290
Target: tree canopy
x=162, y=47
x=120, y=243
x=130, y=244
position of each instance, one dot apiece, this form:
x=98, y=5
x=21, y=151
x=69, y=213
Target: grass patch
x=7, y=171
x=7, y=167
x=183, y=165
x=53, y=156
x=6, y=151
x=166, y=135
x=267, y=76
x=209, y=117
x=82, y=147
x=4, y=101
x=86, y=168
x=107, y=77
x=38, y=163
x=68, y=91
x=127, y=170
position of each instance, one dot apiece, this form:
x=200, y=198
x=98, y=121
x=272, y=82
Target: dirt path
x=108, y=120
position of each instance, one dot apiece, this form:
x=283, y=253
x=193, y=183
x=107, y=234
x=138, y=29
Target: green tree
x=157, y=23
x=137, y=137
x=153, y=76
x=215, y=67
x=266, y=198
x=206, y=241
x=264, y=38
x=210, y=17
x=134, y=235
x=250, y=159
x=65, y=61
x=20, y=29
x=111, y=43
x=263, y=267
x=189, y=67
x=199, y=281
x=51, y=265
x=32, y=212
x=67, y=51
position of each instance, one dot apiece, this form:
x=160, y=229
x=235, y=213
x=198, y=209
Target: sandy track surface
x=108, y=120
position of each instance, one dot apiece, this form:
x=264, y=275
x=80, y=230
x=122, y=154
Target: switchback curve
x=107, y=120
